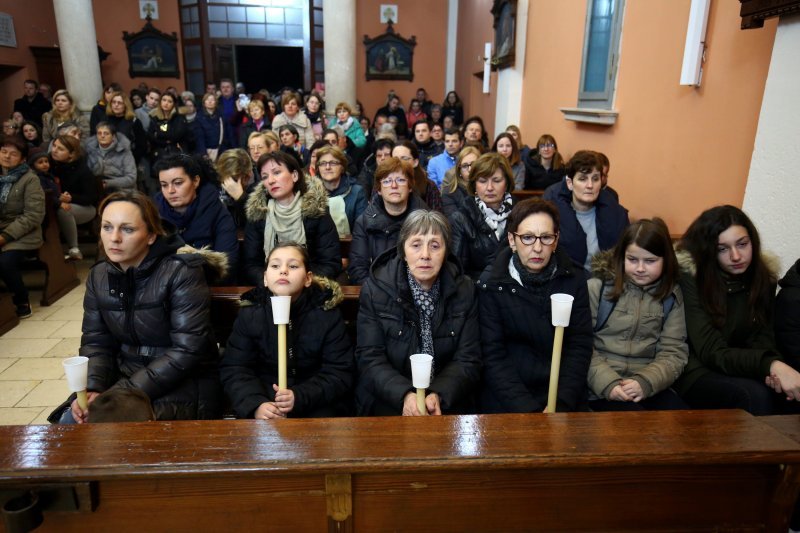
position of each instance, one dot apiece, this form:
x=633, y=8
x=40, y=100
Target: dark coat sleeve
x=97, y=342
x=226, y=238
x=358, y=268
x=83, y=186
x=461, y=236
x=254, y=258
x=787, y=322
x=323, y=246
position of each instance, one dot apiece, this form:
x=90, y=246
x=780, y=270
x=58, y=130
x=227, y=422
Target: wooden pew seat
x=649, y=471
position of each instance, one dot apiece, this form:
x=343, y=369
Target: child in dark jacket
x=320, y=362
x=40, y=164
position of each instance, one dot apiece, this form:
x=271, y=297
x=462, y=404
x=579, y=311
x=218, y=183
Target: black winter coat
x=388, y=333
x=473, y=241
x=787, y=314
x=451, y=201
x=322, y=239
x=207, y=129
x=76, y=179
x=149, y=328
x=134, y=131
x=373, y=233
x=320, y=364
x=170, y=136
x=517, y=339
x=536, y=176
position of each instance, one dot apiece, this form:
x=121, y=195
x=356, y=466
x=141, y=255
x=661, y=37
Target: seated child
x=121, y=405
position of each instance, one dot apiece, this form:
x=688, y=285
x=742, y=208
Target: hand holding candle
x=77, y=370
x=561, y=309
x=421, y=377
x=280, y=316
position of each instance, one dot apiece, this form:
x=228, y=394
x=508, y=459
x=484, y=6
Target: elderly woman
x=416, y=301
x=21, y=215
x=479, y=225
x=163, y=345
x=346, y=198
x=109, y=157
x=78, y=189
x=64, y=110
x=516, y=323
x=454, y=184
x=211, y=134
x=189, y=200
x=235, y=171
x=591, y=219
x=285, y=207
x=292, y=115
x=256, y=121
x=349, y=124
x=119, y=113
x=506, y=145
x=169, y=133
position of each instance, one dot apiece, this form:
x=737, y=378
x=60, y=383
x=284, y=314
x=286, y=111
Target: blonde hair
x=451, y=184
x=71, y=113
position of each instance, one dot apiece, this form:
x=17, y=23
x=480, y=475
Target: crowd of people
x=260, y=189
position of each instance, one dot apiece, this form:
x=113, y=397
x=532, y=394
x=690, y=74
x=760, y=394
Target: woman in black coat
x=516, y=321
x=320, y=365
x=212, y=135
x=146, y=317
x=787, y=314
x=169, y=133
x=287, y=207
x=416, y=301
x=480, y=222
x=119, y=113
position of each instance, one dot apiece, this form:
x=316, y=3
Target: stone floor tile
x=42, y=313
x=68, y=329
x=73, y=312
x=48, y=392
x=11, y=392
x=12, y=348
x=41, y=418
x=6, y=362
x=43, y=368
x=65, y=347
x=41, y=329
x=19, y=416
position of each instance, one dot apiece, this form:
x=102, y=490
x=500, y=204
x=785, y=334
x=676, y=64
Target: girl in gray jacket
x=639, y=327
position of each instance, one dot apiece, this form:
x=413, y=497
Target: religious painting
x=505, y=22
x=390, y=56
x=152, y=53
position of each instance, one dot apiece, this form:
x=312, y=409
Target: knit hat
x=36, y=154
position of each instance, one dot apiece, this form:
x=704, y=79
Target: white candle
x=487, y=67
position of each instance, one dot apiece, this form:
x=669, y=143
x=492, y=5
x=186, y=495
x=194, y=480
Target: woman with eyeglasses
x=454, y=184
x=516, y=321
x=592, y=220
x=422, y=186
x=545, y=166
x=346, y=199
x=376, y=230
x=480, y=222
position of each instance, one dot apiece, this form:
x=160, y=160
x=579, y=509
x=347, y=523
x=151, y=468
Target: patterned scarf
x=537, y=282
x=8, y=180
x=425, y=302
x=496, y=220
x=284, y=223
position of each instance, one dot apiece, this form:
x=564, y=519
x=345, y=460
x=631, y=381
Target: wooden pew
x=680, y=470
x=8, y=313
x=518, y=195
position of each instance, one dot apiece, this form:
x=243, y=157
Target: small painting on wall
x=390, y=56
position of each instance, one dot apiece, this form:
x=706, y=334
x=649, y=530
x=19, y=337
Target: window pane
x=275, y=15
x=275, y=33
x=318, y=17
x=217, y=30
x=237, y=31
x=255, y=14
x=194, y=59
x=293, y=16
x=256, y=31
x=597, y=57
x=294, y=32
x=194, y=81
x=319, y=34
x=236, y=14
x=216, y=13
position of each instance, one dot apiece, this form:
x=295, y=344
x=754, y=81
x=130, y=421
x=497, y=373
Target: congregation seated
x=421, y=185
x=544, y=166
x=315, y=113
x=639, y=325
x=438, y=166
x=729, y=288
x=350, y=126
x=79, y=191
x=22, y=211
x=377, y=228
x=257, y=121
x=515, y=132
x=787, y=318
x=516, y=325
x=418, y=301
x=381, y=149
x=235, y=171
x=453, y=107
x=168, y=132
x=479, y=224
x=64, y=110
x=189, y=200
x=146, y=318
x=346, y=198
x=285, y=207
x=456, y=180
x=426, y=146
x=32, y=133
x=292, y=115
x=99, y=110
x=591, y=219
x=260, y=143
x=506, y=145
x=110, y=158
x=320, y=370
x=120, y=115
x=212, y=135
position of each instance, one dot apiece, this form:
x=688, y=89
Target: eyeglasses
x=548, y=145
x=387, y=182
x=465, y=166
x=406, y=158
x=528, y=240
x=328, y=164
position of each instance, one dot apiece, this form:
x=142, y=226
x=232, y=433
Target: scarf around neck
x=8, y=180
x=496, y=220
x=284, y=223
x=425, y=303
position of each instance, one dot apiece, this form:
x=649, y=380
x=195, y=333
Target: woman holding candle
x=516, y=325
x=320, y=366
x=416, y=301
x=146, y=320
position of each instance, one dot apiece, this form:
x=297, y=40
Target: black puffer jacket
x=517, y=338
x=373, y=233
x=787, y=313
x=320, y=364
x=322, y=239
x=474, y=242
x=537, y=177
x=148, y=328
x=169, y=136
x=76, y=179
x=388, y=333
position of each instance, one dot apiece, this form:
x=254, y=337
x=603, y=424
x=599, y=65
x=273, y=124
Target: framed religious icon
x=390, y=56
x=152, y=53
x=505, y=26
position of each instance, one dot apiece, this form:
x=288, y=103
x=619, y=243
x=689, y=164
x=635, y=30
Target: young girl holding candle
x=320, y=364
x=639, y=328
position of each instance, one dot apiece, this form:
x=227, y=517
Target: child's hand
x=268, y=411
x=618, y=395
x=284, y=399
x=632, y=389
x=233, y=188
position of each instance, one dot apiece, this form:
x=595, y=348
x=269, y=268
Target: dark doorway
x=269, y=67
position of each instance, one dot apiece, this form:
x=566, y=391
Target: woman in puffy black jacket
x=320, y=365
x=146, y=321
x=169, y=133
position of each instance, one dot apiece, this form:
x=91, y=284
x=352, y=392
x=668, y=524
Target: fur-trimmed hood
x=329, y=294
x=314, y=202
x=216, y=263
x=603, y=265
x=687, y=264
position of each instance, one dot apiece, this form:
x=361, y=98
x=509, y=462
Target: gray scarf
x=8, y=180
x=425, y=302
x=284, y=224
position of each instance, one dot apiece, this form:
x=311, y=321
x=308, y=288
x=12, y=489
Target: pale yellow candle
x=555, y=367
x=282, y=380
x=421, y=401
x=83, y=400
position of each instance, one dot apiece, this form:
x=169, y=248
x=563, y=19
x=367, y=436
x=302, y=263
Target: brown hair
x=290, y=162
x=529, y=207
x=584, y=161
x=420, y=182
x=17, y=142
x=336, y=152
x=485, y=166
x=514, y=148
x=294, y=245
x=558, y=161
x=345, y=106
x=122, y=405
x=235, y=163
x=288, y=97
x=148, y=209
x=72, y=145
x=391, y=165
x=653, y=236
x=129, y=114
x=71, y=113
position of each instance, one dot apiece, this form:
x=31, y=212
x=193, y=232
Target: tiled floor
x=32, y=380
